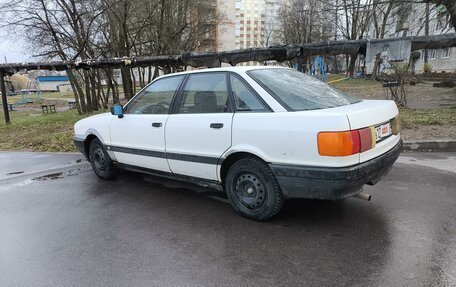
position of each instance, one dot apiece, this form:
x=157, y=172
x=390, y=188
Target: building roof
x=52, y=79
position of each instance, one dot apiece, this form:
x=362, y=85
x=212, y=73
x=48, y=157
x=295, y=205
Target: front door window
x=156, y=98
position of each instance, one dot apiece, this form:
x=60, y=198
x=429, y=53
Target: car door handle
x=216, y=126
x=157, y=125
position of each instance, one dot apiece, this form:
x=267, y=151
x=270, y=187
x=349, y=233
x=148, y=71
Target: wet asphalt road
x=62, y=226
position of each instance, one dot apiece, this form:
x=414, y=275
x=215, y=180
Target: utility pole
x=4, y=100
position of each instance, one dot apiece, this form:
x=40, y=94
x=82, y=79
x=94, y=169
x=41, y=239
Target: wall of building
x=52, y=86
x=440, y=60
x=413, y=24
x=248, y=25
x=226, y=33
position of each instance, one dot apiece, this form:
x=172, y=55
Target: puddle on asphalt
x=51, y=176
x=15, y=172
x=74, y=162
x=57, y=175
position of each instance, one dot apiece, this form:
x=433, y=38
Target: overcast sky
x=14, y=51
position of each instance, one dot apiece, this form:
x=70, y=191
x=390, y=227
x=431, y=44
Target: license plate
x=383, y=131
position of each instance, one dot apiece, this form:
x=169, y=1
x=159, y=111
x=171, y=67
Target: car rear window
x=297, y=91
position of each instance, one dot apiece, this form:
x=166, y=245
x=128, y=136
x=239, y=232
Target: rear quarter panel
x=288, y=137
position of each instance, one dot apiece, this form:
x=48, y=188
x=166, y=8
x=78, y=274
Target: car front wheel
x=102, y=164
x=253, y=190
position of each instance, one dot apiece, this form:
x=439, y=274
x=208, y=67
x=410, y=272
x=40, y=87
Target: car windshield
x=297, y=91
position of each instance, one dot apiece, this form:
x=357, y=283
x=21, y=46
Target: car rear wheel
x=102, y=164
x=253, y=190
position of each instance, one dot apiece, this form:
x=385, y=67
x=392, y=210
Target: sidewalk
x=430, y=145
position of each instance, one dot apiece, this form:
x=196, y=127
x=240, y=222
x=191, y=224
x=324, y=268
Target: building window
x=432, y=54
x=442, y=21
x=446, y=53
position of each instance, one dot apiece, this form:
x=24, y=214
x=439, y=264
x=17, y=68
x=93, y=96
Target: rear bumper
x=333, y=183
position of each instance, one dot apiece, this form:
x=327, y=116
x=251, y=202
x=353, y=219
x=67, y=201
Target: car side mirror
x=117, y=110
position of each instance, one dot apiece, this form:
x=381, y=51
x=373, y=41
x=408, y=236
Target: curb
x=430, y=145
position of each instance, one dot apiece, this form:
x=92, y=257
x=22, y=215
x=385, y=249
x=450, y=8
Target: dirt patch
x=431, y=112
x=60, y=105
x=420, y=96
x=430, y=132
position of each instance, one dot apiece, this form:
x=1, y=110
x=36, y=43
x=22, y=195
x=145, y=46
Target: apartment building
x=249, y=23
x=410, y=20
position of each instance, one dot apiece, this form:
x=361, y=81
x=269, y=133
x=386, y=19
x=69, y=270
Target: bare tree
x=356, y=15
x=450, y=6
x=303, y=21
x=381, y=12
x=61, y=29
x=94, y=29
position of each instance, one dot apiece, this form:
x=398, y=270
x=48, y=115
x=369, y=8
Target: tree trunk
x=134, y=81
x=77, y=91
x=156, y=73
x=149, y=79
x=127, y=83
x=376, y=66
x=351, y=66
x=426, y=32
x=93, y=90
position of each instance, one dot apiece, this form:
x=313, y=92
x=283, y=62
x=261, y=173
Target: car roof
x=224, y=69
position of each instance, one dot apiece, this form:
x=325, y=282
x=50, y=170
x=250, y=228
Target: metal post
x=4, y=100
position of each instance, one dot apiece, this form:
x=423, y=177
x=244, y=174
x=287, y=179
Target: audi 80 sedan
x=260, y=134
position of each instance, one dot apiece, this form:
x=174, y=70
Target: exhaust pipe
x=362, y=195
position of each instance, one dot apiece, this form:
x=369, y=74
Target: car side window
x=205, y=93
x=245, y=99
x=156, y=98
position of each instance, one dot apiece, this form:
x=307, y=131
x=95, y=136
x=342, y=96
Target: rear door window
x=205, y=93
x=244, y=97
x=297, y=91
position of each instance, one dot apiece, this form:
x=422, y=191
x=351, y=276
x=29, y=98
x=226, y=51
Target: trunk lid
x=373, y=113
x=370, y=113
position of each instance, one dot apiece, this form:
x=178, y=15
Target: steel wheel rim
x=249, y=190
x=99, y=159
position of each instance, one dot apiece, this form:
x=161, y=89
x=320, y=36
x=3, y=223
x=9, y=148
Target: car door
x=198, y=131
x=138, y=138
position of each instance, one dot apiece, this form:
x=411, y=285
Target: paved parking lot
x=62, y=226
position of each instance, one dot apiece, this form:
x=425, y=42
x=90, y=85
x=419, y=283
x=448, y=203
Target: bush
x=427, y=68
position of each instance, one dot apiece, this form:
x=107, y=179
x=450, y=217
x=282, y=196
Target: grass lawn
x=358, y=86
x=32, y=131
x=426, y=117
x=56, y=95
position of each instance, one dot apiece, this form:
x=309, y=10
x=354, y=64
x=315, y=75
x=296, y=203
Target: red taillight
x=366, y=138
x=345, y=143
x=356, y=141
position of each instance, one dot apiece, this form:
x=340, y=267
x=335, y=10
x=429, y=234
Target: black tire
x=102, y=164
x=253, y=190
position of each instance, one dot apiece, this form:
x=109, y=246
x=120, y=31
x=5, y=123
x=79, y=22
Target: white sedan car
x=260, y=134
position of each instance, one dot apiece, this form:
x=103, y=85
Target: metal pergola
x=215, y=59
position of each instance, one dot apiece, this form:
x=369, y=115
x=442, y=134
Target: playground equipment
x=32, y=94
x=318, y=69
